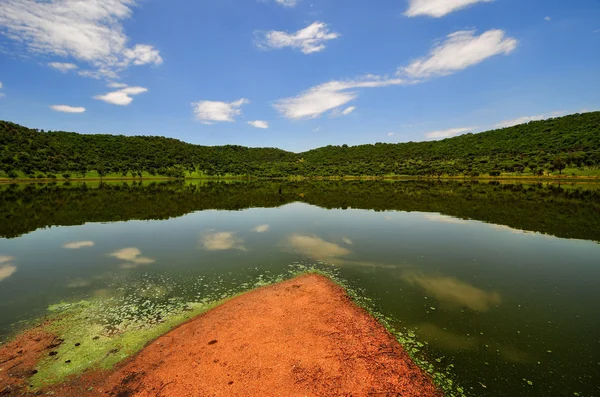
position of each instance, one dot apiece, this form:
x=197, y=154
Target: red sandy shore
x=302, y=337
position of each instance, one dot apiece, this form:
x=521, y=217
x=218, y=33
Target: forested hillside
x=536, y=148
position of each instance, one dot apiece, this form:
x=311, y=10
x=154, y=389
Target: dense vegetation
x=569, y=212
x=536, y=148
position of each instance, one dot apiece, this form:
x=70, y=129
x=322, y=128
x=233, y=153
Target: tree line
x=536, y=148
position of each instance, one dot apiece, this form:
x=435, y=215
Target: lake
x=500, y=280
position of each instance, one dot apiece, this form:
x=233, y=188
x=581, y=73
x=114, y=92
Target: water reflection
x=444, y=219
x=79, y=283
x=563, y=211
x=6, y=268
x=514, y=355
x=261, y=228
x=453, y=292
x=222, y=241
x=74, y=245
x=6, y=271
x=316, y=248
x=132, y=256
x=445, y=339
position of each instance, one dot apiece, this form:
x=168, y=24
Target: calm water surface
x=501, y=280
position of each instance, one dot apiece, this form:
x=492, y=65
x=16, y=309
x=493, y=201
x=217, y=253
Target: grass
x=88, y=346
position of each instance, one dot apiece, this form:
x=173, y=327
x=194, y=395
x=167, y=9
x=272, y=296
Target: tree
x=558, y=164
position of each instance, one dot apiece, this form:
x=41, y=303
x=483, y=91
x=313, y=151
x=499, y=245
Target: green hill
x=570, y=142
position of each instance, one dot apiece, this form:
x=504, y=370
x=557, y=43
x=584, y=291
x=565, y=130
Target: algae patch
x=102, y=331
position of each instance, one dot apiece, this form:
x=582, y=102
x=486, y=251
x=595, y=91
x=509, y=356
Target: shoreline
x=553, y=178
x=303, y=336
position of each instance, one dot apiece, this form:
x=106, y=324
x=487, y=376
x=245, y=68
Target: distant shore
x=545, y=178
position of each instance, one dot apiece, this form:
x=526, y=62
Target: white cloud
x=391, y=133
x=328, y=96
x=261, y=228
x=1, y=84
x=132, y=257
x=447, y=133
x=287, y=3
x=348, y=110
x=63, y=66
x=90, y=31
x=437, y=8
x=461, y=50
x=2, y=95
x=143, y=54
x=527, y=119
x=116, y=85
x=121, y=97
x=309, y=40
x=6, y=271
x=547, y=19
x=209, y=112
x=67, y=108
x=222, y=241
x=78, y=244
x=259, y=124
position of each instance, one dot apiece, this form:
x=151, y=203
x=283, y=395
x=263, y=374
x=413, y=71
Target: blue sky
x=313, y=72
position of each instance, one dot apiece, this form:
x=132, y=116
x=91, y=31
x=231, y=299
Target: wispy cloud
x=527, y=119
x=287, y=3
x=460, y=50
x=121, y=97
x=547, y=19
x=438, y=8
x=78, y=244
x=63, y=66
x=222, y=241
x=447, y=133
x=209, y=112
x=348, y=110
x=329, y=96
x=309, y=40
x=68, y=109
x=115, y=84
x=259, y=124
x=89, y=31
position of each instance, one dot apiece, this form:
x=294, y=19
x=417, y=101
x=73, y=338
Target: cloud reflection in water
x=132, y=256
x=222, y=241
x=454, y=292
